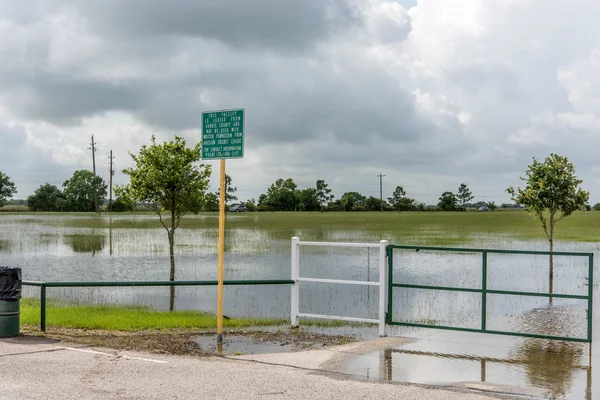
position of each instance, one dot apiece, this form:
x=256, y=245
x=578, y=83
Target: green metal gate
x=484, y=291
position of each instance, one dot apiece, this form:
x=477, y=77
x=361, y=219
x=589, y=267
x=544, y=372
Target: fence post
x=383, y=287
x=43, y=307
x=295, y=294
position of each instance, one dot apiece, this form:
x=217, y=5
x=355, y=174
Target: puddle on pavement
x=531, y=367
x=280, y=339
x=238, y=345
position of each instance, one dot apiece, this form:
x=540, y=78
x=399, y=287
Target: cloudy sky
x=431, y=93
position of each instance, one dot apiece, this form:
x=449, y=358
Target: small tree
x=596, y=207
x=324, y=195
x=492, y=206
x=229, y=191
x=464, y=194
x=165, y=177
x=552, y=193
x=400, y=201
x=7, y=188
x=447, y=201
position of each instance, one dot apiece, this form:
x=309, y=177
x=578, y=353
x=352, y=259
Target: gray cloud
x=283, y=25
x=333, y=89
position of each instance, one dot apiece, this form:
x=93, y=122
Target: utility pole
x=381, y=190
x=112, y=173
x=93, y=148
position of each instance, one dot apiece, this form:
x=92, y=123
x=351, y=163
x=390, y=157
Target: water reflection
x=549, y=366
x=86, y=243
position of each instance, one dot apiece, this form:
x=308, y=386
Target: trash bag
x=10, y=283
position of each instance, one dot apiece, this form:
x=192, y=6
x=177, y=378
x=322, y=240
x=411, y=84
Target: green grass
x=128, y=318
x=432, y=228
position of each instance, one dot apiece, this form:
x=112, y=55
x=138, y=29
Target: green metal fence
x=44, y=285
x=484, y=291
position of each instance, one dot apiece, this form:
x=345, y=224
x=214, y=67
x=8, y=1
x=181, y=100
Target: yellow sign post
x=221, y=254
x=222, y=138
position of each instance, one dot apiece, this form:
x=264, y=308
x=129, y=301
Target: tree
x=165, y=177
x=309, y=199
x=352, y=201
x=492, y=206
x=324, y=195
x=251, y=205
x=375, y=204
x=82, y=191
x=45, y=198
x=596, y=207
x=400, y=201
x=281, y=196
x=464, y=194
x=229, y=191
x=211, y=202
x=7, y=188
x=122, y=204
x=551, y=194
x=448, y=201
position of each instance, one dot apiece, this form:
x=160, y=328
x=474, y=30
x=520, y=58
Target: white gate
x=382, y=284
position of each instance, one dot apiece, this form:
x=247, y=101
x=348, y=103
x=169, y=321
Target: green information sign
x=223, y=134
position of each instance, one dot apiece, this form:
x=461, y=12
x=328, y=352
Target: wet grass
x=128, y=318
x=435, y=228
x=84, y=243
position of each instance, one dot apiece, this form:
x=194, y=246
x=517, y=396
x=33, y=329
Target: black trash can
x=10, y=296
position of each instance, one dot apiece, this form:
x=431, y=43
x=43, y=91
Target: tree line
x=167, y=179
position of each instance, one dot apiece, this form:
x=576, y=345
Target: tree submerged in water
x=166, y=177
x=551, y=194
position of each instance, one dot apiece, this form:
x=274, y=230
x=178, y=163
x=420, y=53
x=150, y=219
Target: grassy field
x=435, y=228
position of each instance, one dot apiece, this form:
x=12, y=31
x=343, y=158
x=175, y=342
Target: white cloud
x=432, y=96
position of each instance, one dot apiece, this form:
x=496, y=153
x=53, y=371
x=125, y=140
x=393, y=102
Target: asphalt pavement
x=40, y=368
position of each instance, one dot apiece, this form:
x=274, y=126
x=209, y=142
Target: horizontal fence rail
x=44, y=285
x=484, y=291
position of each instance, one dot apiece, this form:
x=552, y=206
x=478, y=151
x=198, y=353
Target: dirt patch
x=186, y=342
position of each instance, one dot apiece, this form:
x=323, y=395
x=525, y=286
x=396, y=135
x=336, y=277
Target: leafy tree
x=7, y=188
x=492, y=206
x=122, y=204
x=596, y=207
x=229, y=191
x=45, y=198
x=165, y=177
x=309, y=199
x=352, y=201
x=376, y=204
x=251, y=205
x=551, y=194
x=211, y=203
x=464, y=194
x=83, y=190
x=281, y=196
x=60, y=204
x=323, y=193
x=448, y=201
x=400, y=201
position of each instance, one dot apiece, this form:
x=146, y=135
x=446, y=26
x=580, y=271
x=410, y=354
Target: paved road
x=38, y=368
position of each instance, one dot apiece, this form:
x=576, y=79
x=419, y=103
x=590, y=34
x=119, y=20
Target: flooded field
x=119, y=248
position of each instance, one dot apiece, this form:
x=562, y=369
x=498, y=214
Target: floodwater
x=48, y=249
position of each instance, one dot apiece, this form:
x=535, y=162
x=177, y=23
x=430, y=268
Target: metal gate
x=484, y=291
